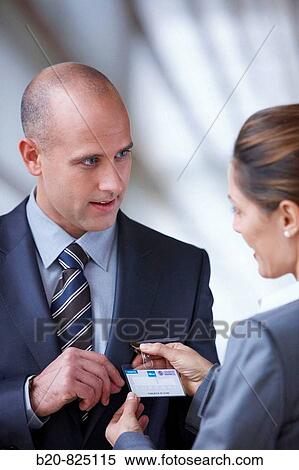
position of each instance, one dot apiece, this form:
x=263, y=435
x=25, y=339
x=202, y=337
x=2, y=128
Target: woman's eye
x=90, y=161
x=235, y=210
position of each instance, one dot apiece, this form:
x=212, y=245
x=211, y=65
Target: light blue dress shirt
x=50, y=240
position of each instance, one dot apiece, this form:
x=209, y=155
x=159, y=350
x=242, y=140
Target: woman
x=252, y=402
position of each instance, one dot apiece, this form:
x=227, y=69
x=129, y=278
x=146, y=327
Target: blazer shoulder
x=15, y=213
x=13, y=226
x=280, y=324
x=160, y=240
x=282, y=320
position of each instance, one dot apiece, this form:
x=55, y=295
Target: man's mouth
x=104, y=202
x=104, y=206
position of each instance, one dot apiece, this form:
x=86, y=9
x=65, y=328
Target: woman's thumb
x=131, y=404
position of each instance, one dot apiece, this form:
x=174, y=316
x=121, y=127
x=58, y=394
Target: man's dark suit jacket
x=158, y=278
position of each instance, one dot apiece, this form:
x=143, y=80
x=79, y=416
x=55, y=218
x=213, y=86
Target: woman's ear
x=31, y=156
x=289, y=217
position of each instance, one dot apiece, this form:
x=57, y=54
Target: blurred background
x=190, y=73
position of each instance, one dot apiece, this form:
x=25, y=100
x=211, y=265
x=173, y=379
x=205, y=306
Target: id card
x=154, y=382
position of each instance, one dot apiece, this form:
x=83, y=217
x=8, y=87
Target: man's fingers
x=100, y=381
x=112, y=371
x=114, y=388
x=102, y=360
x=115, y=376
x=106, y=390
x=102, y=367
x=87, y=395
x=92, y=381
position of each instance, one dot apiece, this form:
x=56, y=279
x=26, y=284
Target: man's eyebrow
x=81, y=156
x=78, y=158
x=128, y=147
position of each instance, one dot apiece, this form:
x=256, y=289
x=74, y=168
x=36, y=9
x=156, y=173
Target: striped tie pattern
x=71, y=302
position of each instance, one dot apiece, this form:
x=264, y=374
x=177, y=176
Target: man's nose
x=109, y=178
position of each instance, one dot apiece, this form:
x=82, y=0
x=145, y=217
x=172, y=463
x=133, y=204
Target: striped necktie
x=71, y=303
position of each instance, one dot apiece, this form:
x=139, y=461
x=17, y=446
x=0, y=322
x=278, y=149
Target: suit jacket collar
x=22, y=290
x=23, y=296
x=137, y=282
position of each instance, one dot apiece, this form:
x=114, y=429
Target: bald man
x=80, y=281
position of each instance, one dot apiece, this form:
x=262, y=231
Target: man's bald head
x=37, y=111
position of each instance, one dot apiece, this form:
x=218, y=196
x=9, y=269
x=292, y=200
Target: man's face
x=86, y=169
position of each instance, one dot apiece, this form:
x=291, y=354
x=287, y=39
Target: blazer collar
x=22, y=289
x=138, y=276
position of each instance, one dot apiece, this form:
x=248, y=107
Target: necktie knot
x=74, y=257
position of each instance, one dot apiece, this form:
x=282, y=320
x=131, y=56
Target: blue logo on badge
x=151, y=373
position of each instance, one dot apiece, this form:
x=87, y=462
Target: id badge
x=153, y=382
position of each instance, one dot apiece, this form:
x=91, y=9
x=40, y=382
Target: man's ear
x=289, y=216
x=31, y=156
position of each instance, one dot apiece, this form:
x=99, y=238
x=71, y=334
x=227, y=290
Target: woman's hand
x=127, y=419
x=191, y=365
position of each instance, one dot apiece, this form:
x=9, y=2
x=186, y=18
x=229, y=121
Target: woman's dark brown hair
x=266, y=156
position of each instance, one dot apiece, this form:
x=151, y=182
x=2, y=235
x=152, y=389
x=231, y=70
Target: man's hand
x=76, y=373
x=191, y=365
x=127, y=419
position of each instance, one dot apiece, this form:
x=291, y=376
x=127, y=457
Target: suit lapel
x=23, y=293
x=138, y=277
x=137, y=283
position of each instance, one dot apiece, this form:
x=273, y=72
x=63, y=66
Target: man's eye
x=90, y=161
x=123, y=153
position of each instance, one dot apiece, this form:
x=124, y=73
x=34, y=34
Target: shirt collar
x=284, y=296
x=50, y=239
